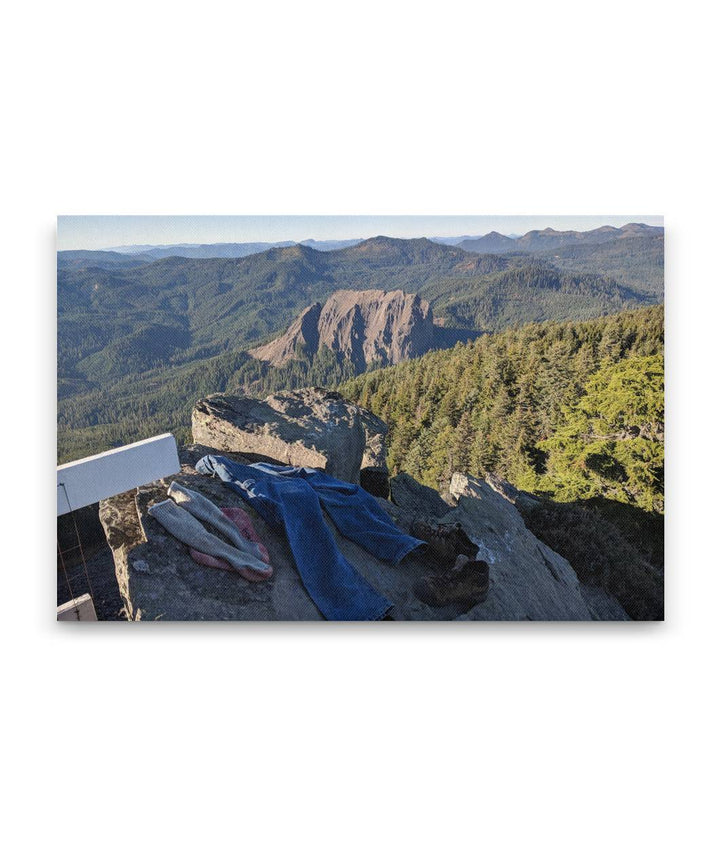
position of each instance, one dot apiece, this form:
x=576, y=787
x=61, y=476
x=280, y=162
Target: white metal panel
x=80, y=609
x=91, y=479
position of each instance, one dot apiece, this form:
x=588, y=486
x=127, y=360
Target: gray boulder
x=308, y=427
x=417, y=499
x=463, y=484
x=528, y=580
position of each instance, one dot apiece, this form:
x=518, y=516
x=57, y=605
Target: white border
x=430, y=739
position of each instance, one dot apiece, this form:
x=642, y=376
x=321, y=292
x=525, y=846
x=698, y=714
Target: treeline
x=97, y=418
x=570, y=410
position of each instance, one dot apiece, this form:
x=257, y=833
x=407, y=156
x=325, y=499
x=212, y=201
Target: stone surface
x=521, y=498
x=159, y=580
x=601, y=605
x=308, y=427
x=416, y=498
x=528, y=580
x=363, y=326
x=119, y=519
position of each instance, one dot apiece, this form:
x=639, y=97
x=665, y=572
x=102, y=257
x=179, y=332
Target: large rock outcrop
x=365, y=327
x=306, y=428
x=528, y=580
x=159, y=581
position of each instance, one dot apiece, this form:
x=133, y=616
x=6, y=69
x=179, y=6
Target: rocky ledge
x=158, y=580
x=310, y=427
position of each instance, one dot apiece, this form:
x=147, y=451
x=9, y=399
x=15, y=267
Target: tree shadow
x=609, y=544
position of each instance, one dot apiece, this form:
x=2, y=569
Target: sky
x=100, y=232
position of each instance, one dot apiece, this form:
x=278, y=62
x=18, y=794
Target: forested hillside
x=139, y=341
x=637, y=261
x=573, y=410
x=161, y=399
x=179, y=310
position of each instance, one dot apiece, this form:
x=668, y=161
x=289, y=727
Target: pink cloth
x=243, y=522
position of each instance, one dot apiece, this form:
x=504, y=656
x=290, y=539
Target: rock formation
x=521, y=566
x=159, y=581
x=365, y=327
x=306, y=428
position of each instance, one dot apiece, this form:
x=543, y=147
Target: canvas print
x=360, y=418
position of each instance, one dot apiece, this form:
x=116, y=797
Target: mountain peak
x=386, y=241
x=493, y=242
x=295, y=251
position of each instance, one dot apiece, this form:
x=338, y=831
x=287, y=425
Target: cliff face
x=363, y=326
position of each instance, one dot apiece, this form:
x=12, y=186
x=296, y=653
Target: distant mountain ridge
x=537, y=240
x=493, y=242
x=547, y=239
x=540, y=240
x=212, y=305
x=220, y=251
x=138, y=338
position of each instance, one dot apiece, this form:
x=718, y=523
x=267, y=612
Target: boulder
x=466, y=485
x=309, y=427
x=528, y=580
x=416, y=498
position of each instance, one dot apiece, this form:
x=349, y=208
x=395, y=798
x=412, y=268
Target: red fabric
x=243, y=522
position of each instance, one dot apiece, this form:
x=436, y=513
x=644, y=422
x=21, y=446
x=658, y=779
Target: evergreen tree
x=512, y=404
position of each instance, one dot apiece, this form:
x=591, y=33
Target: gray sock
x=190, y=531
x=202, y=508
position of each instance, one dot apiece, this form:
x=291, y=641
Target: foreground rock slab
x=159, y=581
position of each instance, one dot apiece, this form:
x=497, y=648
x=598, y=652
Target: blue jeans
x=293, y=498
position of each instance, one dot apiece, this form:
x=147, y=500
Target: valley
x=140, y=338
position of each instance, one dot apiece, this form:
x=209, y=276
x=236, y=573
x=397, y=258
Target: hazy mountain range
x=493, y=242
x=223, y=251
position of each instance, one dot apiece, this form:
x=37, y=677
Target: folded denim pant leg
x=337, y=588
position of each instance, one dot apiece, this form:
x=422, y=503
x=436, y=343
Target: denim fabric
x=293, y=498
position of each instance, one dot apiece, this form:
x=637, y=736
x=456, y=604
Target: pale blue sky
x=99, y=232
